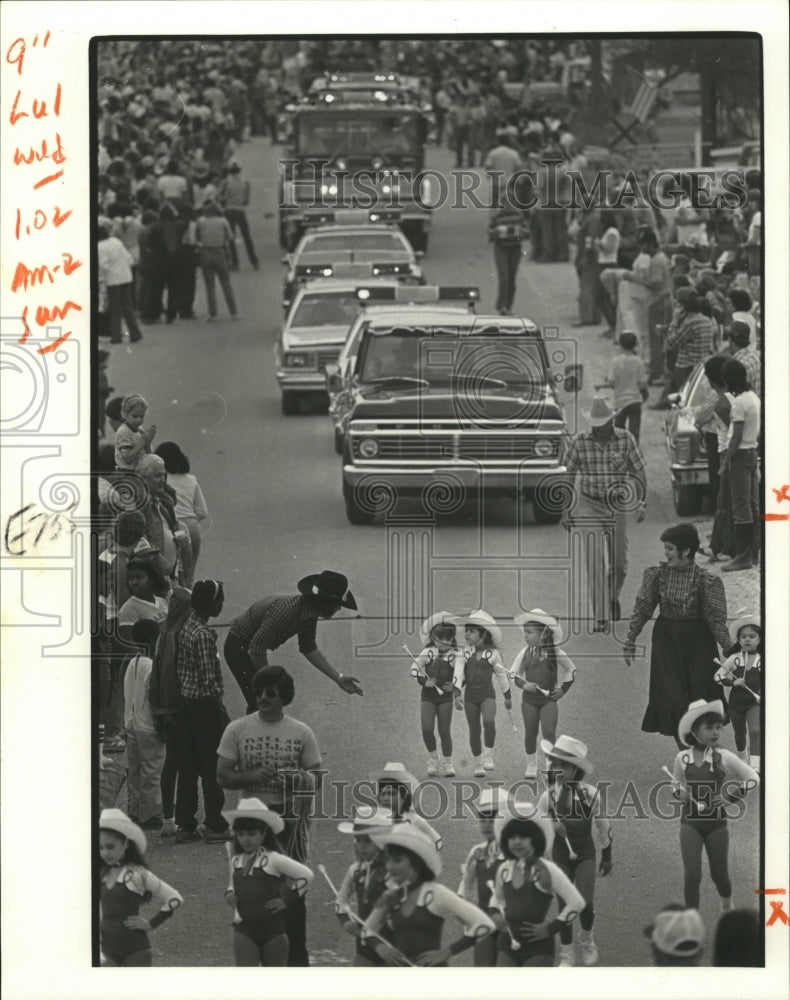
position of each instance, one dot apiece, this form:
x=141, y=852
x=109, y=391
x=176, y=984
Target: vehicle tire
x=355, y=513
x=687, y=499
x=543, y=516
x=290, y=404
x=339, y=441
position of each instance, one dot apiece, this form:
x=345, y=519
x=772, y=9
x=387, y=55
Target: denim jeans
x=744, y=488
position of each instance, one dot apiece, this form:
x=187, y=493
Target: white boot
x=447, y=768
x=433, y=764
x=567, y=956
x=754, y=763
x=488, y=760
x=588, y=948
x=744, y=755
x=532, y=766
x=480, y=771
x=726, y=904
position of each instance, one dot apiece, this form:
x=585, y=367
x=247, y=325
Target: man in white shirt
x=740, y=464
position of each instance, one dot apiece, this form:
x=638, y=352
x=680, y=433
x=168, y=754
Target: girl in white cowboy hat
x=260, y=877
x=524, y=887
x=436, y=663
x=413, y=914
x=742, y=673
x=575, y=809
x=545, y=674
x=365, y=879
x=481, y=865
x=126, y=884
x=473, y=674
x=395, y=788
x=706, y=779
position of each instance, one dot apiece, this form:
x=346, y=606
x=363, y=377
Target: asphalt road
x=273, y=487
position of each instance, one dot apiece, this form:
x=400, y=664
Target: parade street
x=273, y=487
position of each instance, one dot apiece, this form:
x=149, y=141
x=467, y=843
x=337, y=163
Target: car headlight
x=326, y=272
x=368, y=448
x=377, y=163
x=329, y=189
x=297, y=360
x=340, y=163
x=544, y=447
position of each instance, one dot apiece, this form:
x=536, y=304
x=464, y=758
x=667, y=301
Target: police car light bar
x=418, y=293
x=385, y=215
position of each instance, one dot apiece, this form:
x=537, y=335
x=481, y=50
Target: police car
x=333, y=250
x=428, y=398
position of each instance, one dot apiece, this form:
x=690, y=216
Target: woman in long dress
x=691, y=626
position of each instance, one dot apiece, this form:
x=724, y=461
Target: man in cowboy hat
x=268, y=623
x=612, y=481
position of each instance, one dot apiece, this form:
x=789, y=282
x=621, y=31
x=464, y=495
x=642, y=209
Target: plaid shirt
x=693, y=338
x=197, y=662
x=268, y=623
x=605, y=467
x=751, y=362
x=681, y=594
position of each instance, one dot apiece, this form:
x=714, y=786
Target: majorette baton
x=731, y=673
x=553, y=813
x=514, y=944
x=401, y=958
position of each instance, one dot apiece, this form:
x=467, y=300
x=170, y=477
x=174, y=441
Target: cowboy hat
x=330, y=585
x=543, y=618
x=411, y=837
x=257, y=810
x=430, y=623
x=744, y=619
x=480, y=619
x=695, y=710
x=492, y=801
x=520, y=812
x=396, y=774
x=367, y=819
x=117, y=821
x=599, y=413
x=569, y=750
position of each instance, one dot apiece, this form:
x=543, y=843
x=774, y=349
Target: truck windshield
x=355, y=133
x=443, y=360
x=326, y=243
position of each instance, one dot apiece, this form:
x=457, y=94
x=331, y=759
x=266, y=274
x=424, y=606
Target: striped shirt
x=693, y=338
x=270, y=622
x=605, y=468
x=681, y=594
x=197, y=662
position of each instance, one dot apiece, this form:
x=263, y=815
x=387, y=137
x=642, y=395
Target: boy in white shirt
x=628, y=378
x=145, y=752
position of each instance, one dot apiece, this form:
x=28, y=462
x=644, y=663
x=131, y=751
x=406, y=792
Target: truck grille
x=328, y=357
x=477, y=448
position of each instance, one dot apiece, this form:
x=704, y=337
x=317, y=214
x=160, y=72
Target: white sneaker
x=532, y=766
x=567, y=956
x=433, y=765
x=726, y=904
x=588, y=949
x=479, y=768
x=449, y=770
x=168, y=828
x=488, y=761
x=754, y=763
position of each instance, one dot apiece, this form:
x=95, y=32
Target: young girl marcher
x=412, y=915
x=365, y=880
x=545, y=674
x=132, y=440
x=260, y=874
x=395, y=788
x=574, y=808
x=742, y=673
x=706, y=779
x=480, y=867
x=473, y=675
x=436, y=663
x=523, y=890
x=126, y=885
